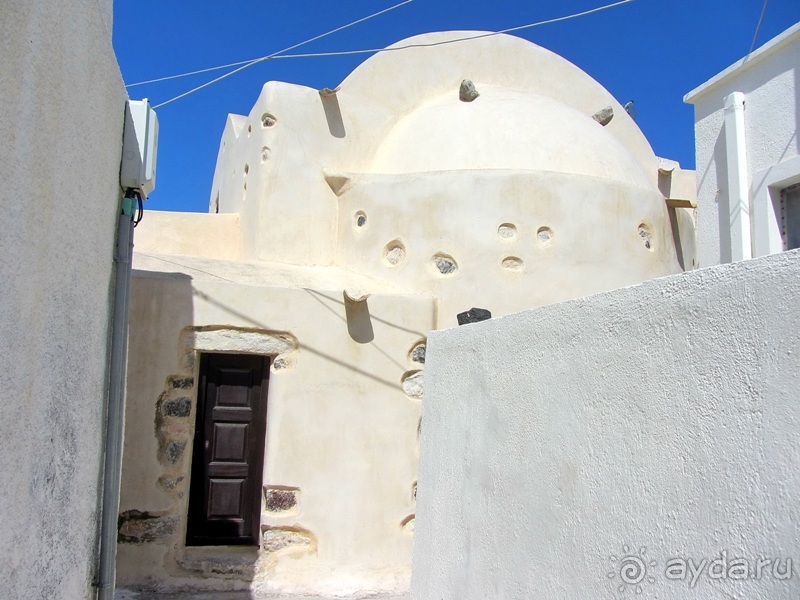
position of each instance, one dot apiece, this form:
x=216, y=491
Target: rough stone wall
x=61, y=124
x=572, y=451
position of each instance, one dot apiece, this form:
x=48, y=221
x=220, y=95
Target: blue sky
x=648, y=51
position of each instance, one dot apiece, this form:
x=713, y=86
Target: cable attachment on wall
x=134, y=210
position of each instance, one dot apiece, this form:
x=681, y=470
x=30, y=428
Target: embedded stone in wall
x=473, y=315
x=265, y=152
x=513, y=263
x=268, y=120
x=413, y=384
x=417, y=353
x=180, y=383
x=446, y=265
x=544, y=235
x=646, y=235
x=467, y=91
x=278, y=538
x=394, y=253
x=604, y=115
x=507, y=231
x=170, y=483
x=177, y=407
x=173, y=452
x=136, y=527
x=280, y=499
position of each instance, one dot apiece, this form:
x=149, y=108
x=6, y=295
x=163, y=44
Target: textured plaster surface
x=769, y=82
x=662, y=417
x=341, y=432
x=63, y=104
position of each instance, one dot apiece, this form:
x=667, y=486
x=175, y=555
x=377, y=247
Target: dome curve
x=504, y=128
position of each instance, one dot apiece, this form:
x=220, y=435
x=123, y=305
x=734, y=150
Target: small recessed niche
x=513, y=263
x=544, y=235
x=249, y=129
x=507, y=231
x=417, y=353
x=268, y=120
x=246, y=169
x=394, y=253
x=360, y=219
x=646, y=236
x=444, y=264
x=265, y=152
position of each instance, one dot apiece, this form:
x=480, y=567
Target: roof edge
x=756, y=56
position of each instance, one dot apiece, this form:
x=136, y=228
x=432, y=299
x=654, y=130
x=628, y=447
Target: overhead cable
x=281, y=53
x=263, y=58
x=758, y=27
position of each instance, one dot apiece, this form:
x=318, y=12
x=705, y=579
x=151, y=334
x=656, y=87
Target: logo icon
x=632, y=569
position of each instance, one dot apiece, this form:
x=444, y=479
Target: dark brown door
x=228, y=455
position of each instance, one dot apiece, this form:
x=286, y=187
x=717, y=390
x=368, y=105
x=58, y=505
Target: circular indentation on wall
x=445, y=264
x=268, y=120
x=646, y=235
x=394, y=253
x=413, y=384
x=246, y=168
x=544, y=235
x=507, y=231
x=360, y=219
x=265, y=152
x=281, y=364
x=513, y=263
x=417, y=353
x=407, y=524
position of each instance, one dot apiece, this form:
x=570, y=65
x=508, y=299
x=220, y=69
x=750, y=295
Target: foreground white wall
x=61, y=124
x=658, y=421
x=768, y=83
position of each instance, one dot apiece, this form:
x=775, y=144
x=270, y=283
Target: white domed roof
x=504, y=129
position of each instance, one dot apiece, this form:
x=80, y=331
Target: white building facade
x=748, y=154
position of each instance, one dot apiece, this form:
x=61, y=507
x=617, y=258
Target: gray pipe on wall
x=112, y=469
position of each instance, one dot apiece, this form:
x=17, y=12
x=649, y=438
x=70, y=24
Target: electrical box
x=139, y=148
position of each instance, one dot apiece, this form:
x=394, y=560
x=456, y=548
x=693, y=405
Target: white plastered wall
x=662, y=417
x=769, y=79
x=63, y=105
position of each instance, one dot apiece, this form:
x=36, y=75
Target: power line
x=464, y=39
x=280, y=54
x=758, y=27
x=263, y=58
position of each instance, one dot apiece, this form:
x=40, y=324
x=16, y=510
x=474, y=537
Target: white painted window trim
x=765, y=192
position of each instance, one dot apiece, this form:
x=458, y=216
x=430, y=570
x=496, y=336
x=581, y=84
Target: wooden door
x=228, y=454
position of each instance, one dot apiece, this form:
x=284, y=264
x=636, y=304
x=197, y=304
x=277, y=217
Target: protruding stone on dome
x=604, y=115
x=467, y=91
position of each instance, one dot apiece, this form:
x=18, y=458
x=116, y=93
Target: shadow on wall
x=333, y=114
x=159, y=429
x=723, y=198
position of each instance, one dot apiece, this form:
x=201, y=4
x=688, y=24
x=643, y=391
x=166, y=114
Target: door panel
x=228, y=454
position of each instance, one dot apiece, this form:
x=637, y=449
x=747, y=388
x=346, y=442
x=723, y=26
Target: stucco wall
x=341, y=433
x=61, y=124
x=658, y=421
x=769, y=81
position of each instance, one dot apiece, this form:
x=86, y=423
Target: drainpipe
x=738, y=190
x=112, y=469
